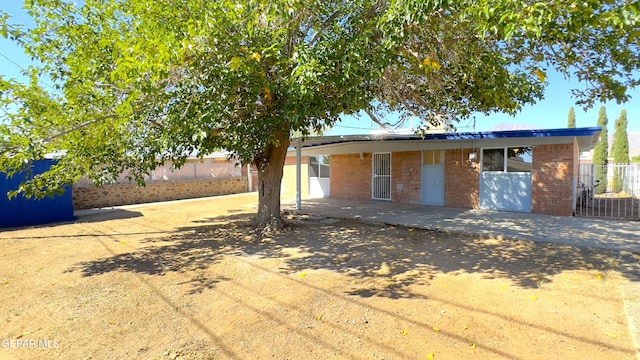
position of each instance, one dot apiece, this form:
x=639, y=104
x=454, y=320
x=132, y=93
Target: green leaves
x=139, y=83
x=593, y=41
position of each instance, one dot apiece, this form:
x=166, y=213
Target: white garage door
x=505, y=182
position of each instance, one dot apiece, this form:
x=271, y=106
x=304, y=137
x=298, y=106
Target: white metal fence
x=608, y=191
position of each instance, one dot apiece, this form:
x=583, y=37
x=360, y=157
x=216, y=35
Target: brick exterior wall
x=351, y=176
x=553, y=172
x=554, y=169
x=405, y=176
x=462, y=183
x=86, y=197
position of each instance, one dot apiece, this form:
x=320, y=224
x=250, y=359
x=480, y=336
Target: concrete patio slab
x=602, y=233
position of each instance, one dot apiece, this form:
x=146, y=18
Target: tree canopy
x=139, y=83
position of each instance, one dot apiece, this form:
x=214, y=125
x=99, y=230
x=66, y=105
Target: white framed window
x=508, y=159
x=319, y=166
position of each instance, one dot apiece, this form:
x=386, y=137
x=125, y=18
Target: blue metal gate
x=20, y=211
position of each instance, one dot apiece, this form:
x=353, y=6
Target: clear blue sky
x=549, y=113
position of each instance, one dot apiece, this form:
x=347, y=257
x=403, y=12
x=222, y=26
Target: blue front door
x=432, y=192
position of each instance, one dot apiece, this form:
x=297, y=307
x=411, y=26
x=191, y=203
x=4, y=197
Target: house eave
x=328, y=145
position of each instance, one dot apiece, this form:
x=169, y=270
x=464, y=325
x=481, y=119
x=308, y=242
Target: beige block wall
x=288, y=188
x=86, y=197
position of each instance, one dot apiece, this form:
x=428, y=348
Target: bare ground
x=192, y=280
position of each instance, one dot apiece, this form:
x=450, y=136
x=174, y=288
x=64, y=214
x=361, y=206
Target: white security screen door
x=381, y=176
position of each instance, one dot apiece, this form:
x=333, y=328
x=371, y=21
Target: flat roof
x=530, y=133
x=587, y=136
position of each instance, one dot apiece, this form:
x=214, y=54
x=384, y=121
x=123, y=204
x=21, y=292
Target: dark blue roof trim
x=590, y=131
x=536, y=133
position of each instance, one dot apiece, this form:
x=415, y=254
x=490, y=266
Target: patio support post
x=298, y=174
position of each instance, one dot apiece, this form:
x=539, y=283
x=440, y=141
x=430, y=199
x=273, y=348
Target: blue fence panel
x=20, y=211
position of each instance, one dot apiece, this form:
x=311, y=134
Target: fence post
x=298, y=174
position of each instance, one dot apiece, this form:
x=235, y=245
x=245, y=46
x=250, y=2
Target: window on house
x=432, y=157
x=519, y=159
x=493, y=160
x=512, y=159
x=319, y=166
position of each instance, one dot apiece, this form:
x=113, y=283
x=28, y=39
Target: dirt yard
x=191, y=280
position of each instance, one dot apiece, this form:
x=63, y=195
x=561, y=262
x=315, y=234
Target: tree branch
x=186, y=110
x=77, y=127
x=324, y=27
x=375, y=119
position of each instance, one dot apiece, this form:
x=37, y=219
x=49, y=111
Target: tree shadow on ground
x=100, y=215
x=187, y=249
x=385, y=260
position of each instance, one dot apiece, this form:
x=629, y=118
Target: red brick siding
x=405, y=174
x=351, y=176
x=291, y=160
x=553, y=171
x=462, y=183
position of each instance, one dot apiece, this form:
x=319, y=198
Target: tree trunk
x=270, y=171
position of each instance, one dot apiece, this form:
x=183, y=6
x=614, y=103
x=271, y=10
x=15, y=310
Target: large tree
x=601, y=153
x=138, y=83
x=620, y=150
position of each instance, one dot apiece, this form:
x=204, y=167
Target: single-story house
x=519, y=170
